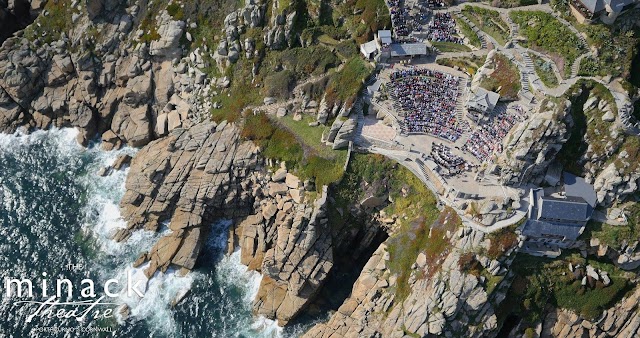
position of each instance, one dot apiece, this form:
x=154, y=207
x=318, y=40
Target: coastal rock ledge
x=190, y=179
x=194, y=177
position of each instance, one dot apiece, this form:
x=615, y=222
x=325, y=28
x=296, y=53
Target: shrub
x=501, y=241
x=345, y=84
x=175, y=10
x=544, y=32
x=280, y=84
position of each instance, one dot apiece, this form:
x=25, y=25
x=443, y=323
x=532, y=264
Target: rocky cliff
x=188, y=179
x=444, y=298
x=96, y=71
x=533, y=144
x=622, y=320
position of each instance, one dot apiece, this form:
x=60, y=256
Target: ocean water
x=56, y=211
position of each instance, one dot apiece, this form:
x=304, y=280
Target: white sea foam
x=233, y=273
x=102, y=219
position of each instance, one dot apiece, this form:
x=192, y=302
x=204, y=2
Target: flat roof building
x=482, y=101
x=560, y=219
x=587, y=11
x=408, y=49
x=385, y=37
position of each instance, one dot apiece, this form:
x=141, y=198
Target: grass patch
x=488, y=21
x=344, y=85
x=445, y=47
x=545, y=71
x=310, y=135
x=425, y=234
x=467, y=64
x=287, y=140
x=505, y=79
x=276, y=143
x=467, y=31
x=544, y=33
x=616, y=236
x=241, y=94
x=542, y=281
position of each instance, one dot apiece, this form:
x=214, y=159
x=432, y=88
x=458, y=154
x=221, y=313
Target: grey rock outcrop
x=189, y=178
x=533, y=144
x=288, y=240
x=438, y=303
x=622, y=320
x=170, y=32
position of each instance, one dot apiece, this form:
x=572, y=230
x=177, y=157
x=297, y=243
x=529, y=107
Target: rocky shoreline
x=103, y=78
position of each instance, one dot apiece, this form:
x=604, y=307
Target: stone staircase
x=512, y=26
x=476, y=30
x=575, y=67
x=462, y=89
x=528, y=63
x=525, y=90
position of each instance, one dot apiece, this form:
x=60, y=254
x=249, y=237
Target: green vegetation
x=176, y=11
x=546, y=34
x=545, y=71
x=241, y=94
x=488, y=21
x=315, y=34
x=423, y=227
x=344, y=85
x=295, y=64
x=634, y=79
x=279, y=84
x=361, y=18
x=285, y=142
x=445, y=47
x=49, y=27
x=616, y=236
x=505, y=79
x=424, y=234
x=502, y=241
x=542, y=281
x=276, y=143
x=347, y=49
x=467, y=31
x=512, y=3
x=302, y=62
x=465, y=63
x=595, y=132
x=311, y=136
x=616, y=50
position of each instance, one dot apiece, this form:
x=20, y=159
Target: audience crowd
x=403, y=24
x=451, y=163
x=428, y=101
x=487, y=138
x=442, y=28
x=436, y=4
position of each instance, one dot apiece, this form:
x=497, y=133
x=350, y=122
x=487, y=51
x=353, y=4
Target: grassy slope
x=505, y=79
x=545, y=33
x=488, y=21
x=545, y=71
